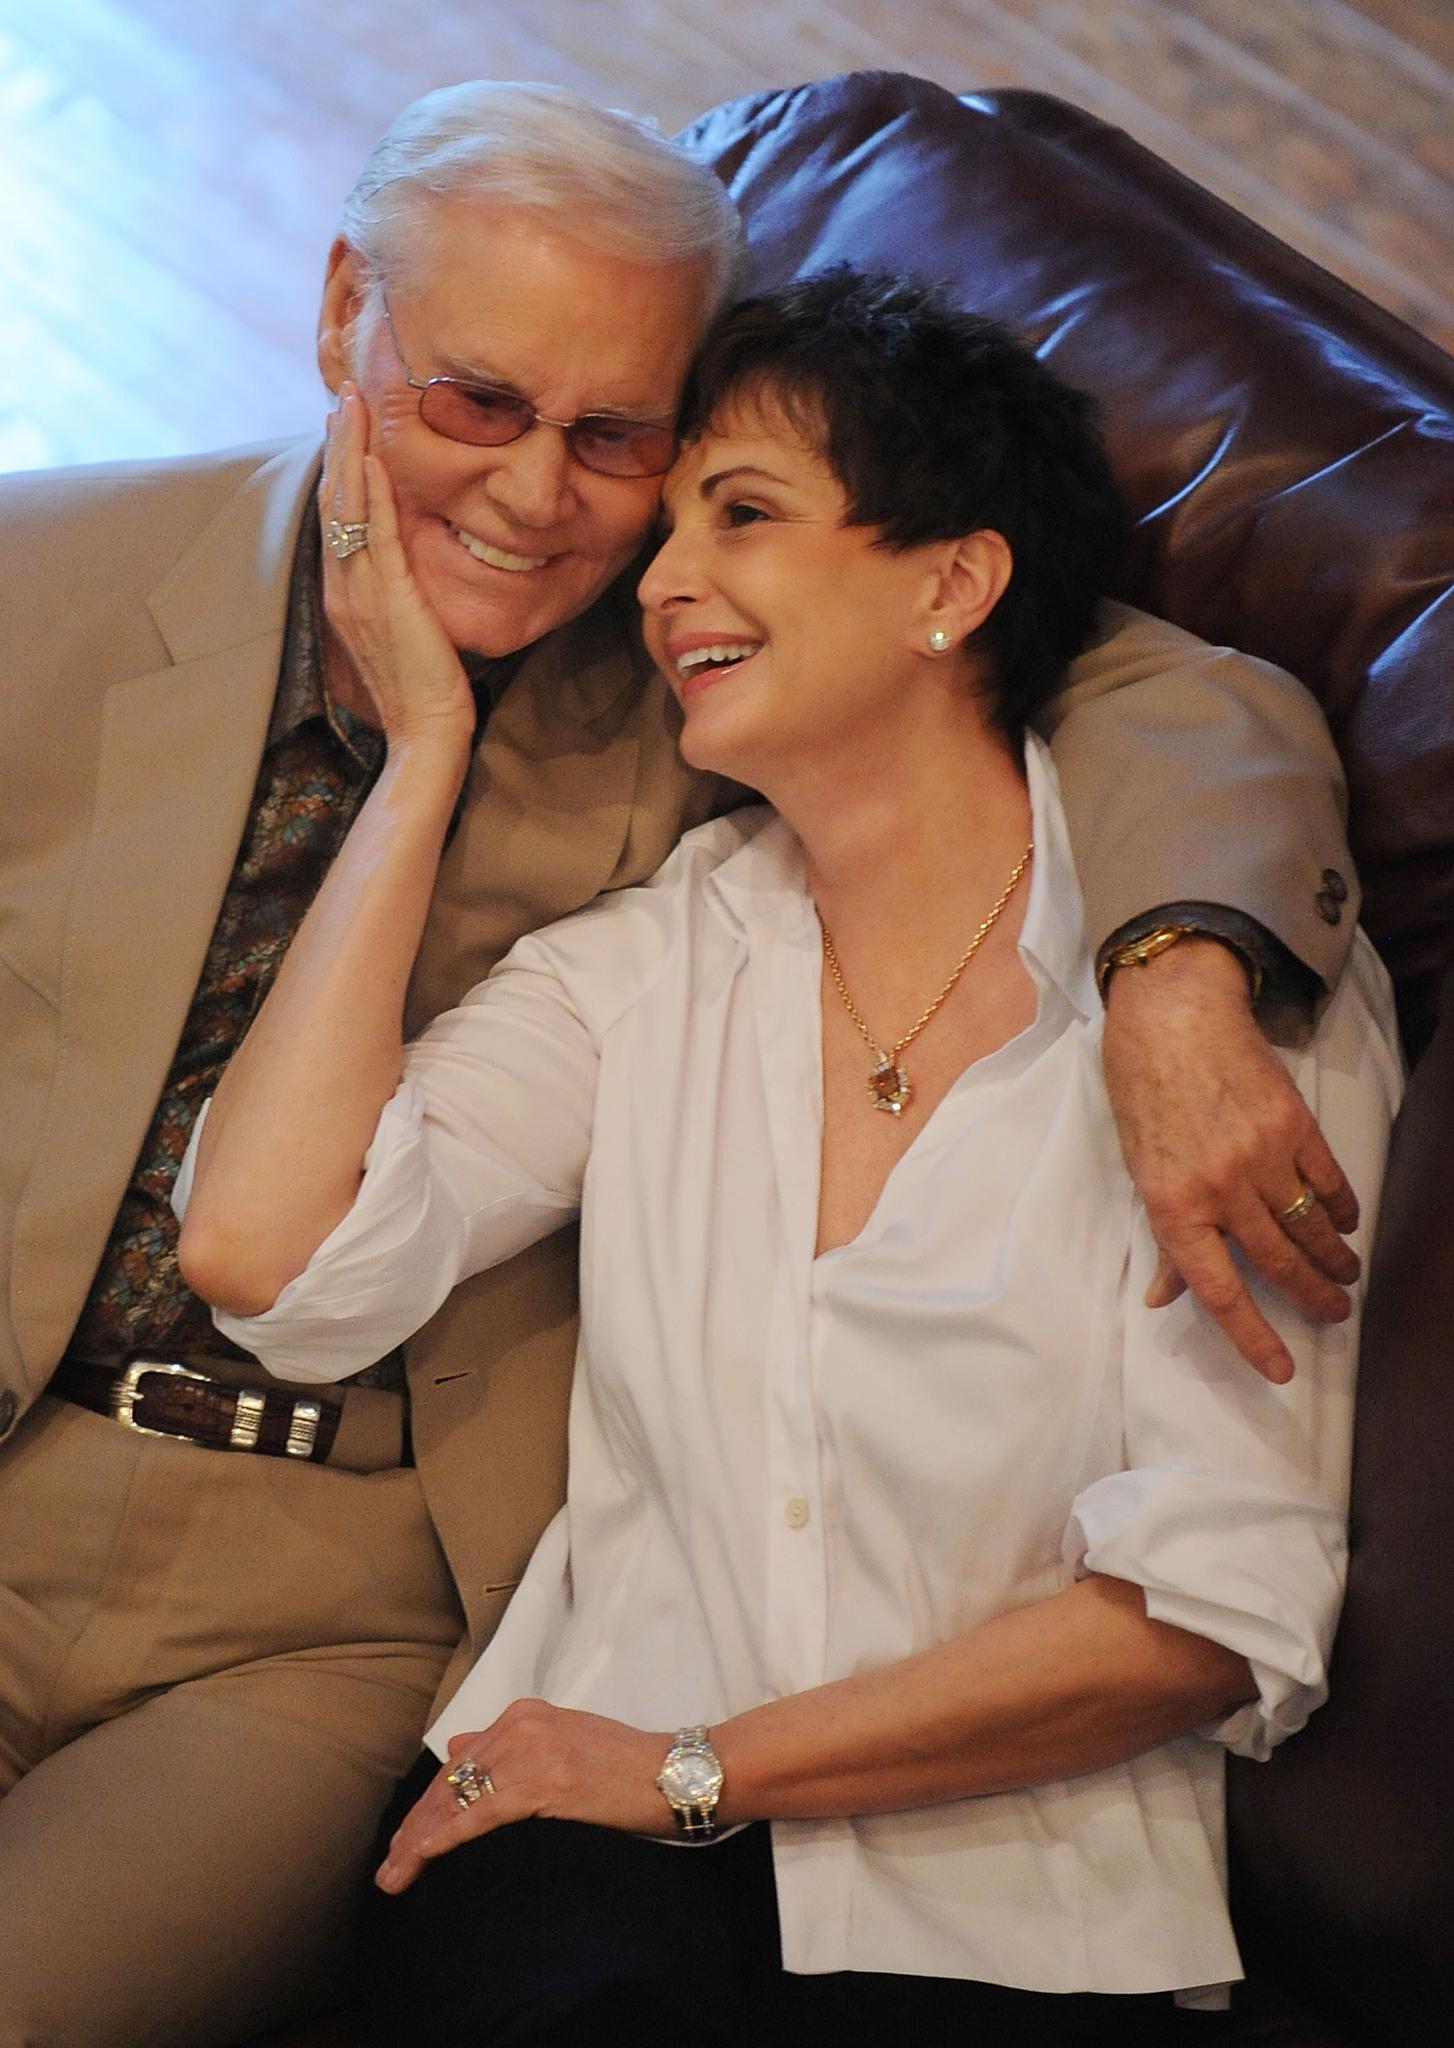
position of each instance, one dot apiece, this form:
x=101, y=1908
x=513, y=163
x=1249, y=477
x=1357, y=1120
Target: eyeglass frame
x=424, y=385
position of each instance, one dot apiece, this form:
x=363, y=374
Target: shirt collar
x=302, y=690
x=1052, y=938
x=762, y=888
x=302, y=686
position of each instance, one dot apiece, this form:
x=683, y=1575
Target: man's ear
x=966, y=583
x=344, y=287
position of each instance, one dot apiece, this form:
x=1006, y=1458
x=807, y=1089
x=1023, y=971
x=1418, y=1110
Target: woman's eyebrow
x=718, y=477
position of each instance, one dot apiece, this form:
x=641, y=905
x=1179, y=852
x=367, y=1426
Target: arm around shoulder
x=1194, y=774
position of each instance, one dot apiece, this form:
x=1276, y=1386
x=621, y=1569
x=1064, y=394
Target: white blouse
x=787, y=1468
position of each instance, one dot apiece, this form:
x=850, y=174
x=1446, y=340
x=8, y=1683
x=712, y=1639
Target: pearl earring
x=940, y=639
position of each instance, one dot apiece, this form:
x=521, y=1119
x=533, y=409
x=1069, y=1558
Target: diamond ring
x=346, y=537
x=469, y=1782
x=1306, y=1202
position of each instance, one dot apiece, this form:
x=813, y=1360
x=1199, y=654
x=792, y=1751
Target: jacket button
x=9, y=1409
x=1331, y=897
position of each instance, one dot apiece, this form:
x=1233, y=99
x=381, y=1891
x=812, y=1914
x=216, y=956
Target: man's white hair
x=608, y=179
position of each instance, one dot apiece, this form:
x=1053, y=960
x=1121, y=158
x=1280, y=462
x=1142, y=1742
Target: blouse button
x=798, y=1512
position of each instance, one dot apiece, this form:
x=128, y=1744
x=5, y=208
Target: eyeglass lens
x=489, y=419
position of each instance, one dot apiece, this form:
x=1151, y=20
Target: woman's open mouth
x=699, y=666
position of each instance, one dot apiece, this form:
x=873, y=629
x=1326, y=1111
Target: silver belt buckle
x=124, y=1399
x=302, y=1424
x=303, y=1428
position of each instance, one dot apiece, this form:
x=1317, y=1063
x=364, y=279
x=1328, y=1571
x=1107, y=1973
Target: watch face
x=688, y=1780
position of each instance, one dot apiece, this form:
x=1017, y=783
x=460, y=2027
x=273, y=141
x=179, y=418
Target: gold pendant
x=889, y=1087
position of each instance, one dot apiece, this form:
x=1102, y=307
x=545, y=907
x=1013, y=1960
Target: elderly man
x=224, y=1610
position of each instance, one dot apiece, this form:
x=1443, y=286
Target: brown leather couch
x=1289, y=449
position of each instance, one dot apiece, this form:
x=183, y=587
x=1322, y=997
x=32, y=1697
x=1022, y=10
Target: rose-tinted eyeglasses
x=486, y=416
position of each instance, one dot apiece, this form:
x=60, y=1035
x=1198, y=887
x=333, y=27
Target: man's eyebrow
x=467, y=372
x=461, y=372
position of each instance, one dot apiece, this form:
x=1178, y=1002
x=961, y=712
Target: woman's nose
x=672, y=576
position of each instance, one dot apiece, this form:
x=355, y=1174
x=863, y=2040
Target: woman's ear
x=966, y=583
x=344, y=287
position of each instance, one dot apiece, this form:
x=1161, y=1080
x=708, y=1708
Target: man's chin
x=494, y=628
x=504, y=621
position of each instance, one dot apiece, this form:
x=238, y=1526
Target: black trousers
x=547, y=1934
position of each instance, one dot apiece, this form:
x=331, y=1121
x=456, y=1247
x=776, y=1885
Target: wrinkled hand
x=1218, y=1141
x=543, y=1760
x=400, y=651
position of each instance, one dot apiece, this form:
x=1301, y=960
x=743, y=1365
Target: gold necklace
x=889, y=1086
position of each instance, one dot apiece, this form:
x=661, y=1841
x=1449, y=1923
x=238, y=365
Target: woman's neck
x=906, y=830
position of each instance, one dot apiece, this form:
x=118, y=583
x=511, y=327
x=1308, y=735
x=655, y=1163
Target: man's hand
x=538, y=1759
x=1220, y=1144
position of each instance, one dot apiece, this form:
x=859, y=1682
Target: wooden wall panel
x=170, y=170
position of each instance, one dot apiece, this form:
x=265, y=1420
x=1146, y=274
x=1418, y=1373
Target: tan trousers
x=212, y=1668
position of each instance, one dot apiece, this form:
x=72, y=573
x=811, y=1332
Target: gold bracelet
x=1136, y=953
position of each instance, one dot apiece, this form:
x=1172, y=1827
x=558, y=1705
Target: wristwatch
x=1150, y=945
x=691, y=1782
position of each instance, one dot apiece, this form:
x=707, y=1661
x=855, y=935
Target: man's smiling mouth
x=496, y=558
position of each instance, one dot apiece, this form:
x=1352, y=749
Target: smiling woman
x=765, y=582
x=880, y=1490
x=949, y=433
x=863, y=590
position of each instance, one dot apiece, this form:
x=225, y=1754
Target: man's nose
x=531, y=479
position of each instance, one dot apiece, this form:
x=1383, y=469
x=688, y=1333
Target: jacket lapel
x=178, y=759
x=548, y=802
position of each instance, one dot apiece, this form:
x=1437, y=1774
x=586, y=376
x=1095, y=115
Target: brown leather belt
x=164, y=1397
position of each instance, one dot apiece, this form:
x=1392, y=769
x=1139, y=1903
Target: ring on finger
x=469, y=1782
x=345, y=537
x=1296, y=1210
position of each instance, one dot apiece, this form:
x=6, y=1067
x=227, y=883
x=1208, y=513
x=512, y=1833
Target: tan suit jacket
x=144, y=608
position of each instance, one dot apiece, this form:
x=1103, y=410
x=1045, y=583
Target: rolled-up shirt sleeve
x=1231, y=1512
x=480, y=1152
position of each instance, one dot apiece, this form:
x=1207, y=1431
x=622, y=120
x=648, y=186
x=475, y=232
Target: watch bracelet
x=1160, y=938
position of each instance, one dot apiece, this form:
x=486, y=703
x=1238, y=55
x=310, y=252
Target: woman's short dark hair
x=938, y=423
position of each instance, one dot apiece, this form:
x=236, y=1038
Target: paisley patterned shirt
x=318, y=765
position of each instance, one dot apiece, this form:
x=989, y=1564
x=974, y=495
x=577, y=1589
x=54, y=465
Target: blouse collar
x=762, y=890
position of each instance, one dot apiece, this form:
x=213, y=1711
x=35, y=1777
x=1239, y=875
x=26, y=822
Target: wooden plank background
x=170, y=170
